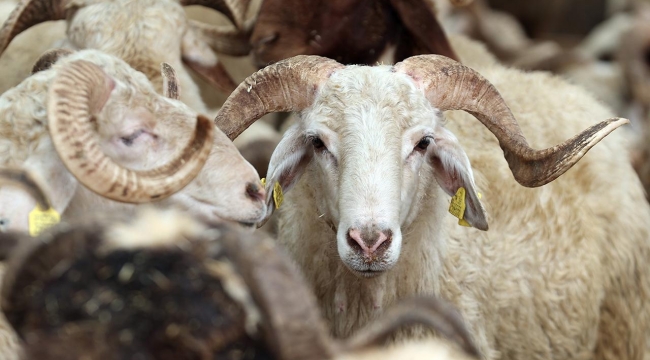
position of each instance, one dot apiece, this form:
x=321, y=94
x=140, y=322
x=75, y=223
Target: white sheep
x=372, y=163
x=162, y=139
x=143, y=33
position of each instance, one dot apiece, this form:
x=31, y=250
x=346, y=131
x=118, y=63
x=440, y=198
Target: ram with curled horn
x=145, y=33
x=364, y=180
x=103, y=139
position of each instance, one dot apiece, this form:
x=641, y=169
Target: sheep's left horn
x=74, y=96
x=234, y=10
x=449, y=85
x=288, y=85
x=27, y=14
x=25, y=180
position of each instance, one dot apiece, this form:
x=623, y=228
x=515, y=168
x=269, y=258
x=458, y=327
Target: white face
x=141, y=130
x=377, y=148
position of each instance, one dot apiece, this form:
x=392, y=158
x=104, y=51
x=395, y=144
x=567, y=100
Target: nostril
x=385, y=238
x=354, y=240
x=255, y=192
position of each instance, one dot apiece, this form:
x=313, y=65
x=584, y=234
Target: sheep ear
x=452, y=171
x=287, y=164
x=17, y=201
x=420, y=20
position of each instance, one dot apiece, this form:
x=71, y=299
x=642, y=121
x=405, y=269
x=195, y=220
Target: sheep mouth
x=208, y=212
x=368, y=273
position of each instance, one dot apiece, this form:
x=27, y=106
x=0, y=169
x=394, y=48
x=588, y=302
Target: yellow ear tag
x=278, y=196
x=457, y=206
x=40, y=220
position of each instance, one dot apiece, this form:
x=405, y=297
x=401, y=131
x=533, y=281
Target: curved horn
x=73, y=96
x=288, y=85
x=49, y=58
x=431, y=312
x=449, y=85
x=223, y=39
x=292, y=323
x=234, y=10
x=171, y=89
x=26, y=181
x=27, y=14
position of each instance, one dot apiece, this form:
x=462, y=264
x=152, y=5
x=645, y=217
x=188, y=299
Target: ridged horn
x=292, y=324
x=27, y=14
x=449, y=85
x=171, y=89
x=234, y=10
x=49, y=58
x=431, y=312
x=25, y=180
x=288, y=85
x=71, y=107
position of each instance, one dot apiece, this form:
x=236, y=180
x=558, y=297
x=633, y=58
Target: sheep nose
x=370, y=241
x=255, y=191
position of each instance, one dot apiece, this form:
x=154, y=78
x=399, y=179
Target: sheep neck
x=346, y=300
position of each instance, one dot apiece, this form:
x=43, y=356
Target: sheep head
x=350, y=31
x=119, y=138
x=131, y=30
x=185, y=290
x=373, y=139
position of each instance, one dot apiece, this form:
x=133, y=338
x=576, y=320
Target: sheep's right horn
x=287, y=85
x=27, y=14
x=450, y=85
x=73, y=98
x=25, y=180
x=432, y=312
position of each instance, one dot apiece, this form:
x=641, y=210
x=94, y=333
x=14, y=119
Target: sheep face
x=137, y=129
x=377, y=149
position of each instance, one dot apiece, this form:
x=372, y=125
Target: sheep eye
x=128, y=140
x=423, y=144
x=318, y=143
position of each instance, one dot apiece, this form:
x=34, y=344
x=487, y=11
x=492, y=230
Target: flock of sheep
x=431, y=195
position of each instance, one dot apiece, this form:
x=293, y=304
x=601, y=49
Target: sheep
x=113, y=288
x=559, y=274
x=169, y=146
x=391, y=30
x=132, y=31
x=26, y=47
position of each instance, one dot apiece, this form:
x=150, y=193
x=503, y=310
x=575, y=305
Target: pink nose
x=369, y=241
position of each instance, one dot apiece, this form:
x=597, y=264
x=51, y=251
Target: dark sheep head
x=349, y=31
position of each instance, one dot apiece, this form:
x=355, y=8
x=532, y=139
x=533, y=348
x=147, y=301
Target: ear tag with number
x=457, y=206
x=40, y=220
